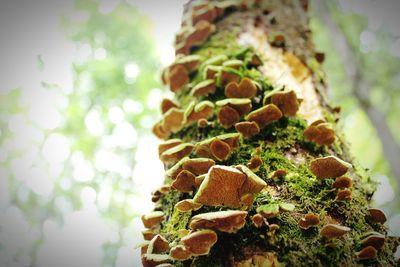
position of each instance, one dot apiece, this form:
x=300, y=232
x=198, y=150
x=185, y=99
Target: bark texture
x=257, y=171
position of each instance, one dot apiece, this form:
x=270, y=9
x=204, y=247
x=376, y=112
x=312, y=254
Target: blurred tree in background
x=69, y=154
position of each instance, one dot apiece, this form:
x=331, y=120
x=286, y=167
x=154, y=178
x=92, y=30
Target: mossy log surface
x=268, y=42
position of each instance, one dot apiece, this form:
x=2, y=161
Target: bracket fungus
x=376, y=240
x=180, y=253
x=167, y=104
x=220, y=187
x=241, y=105
x=329, y=167
x=204, y=88
x=152, y=219
x=333, y=231
x=200, y=33
x=344, y=195
x=200, y=242
x=367, y=253
x=173, y=120
x=258, y=220
x=158, y=244
x=376, y=215
x=309, y=220
x=207, y=13
x=220, y=150
x=176, y=153
x=228, y=116
x=286, y=101
x=203, y=149
x=167, y=145
x=279, y=173
x=211, y=71
x=176, y=77
x=198, y=166
x=228, y=75
x=245, y=89
x=342, y=182
x=154, y=260
x=159, y=131
x=253, y=184
x=201, y=110
x=187, y=205
x=184, y=182
x=247, y=128
x=321, y=133
x=148, y=234
x=255, y=163
x=265, y=115
x=191, y=62
x=229, y=221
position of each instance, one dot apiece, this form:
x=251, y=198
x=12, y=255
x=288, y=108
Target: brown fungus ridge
x=329, y=167
x=196, y=112
x=342, y=182
x=258, y=220
x=180, y=253
x=228, y=116
x=220, y=150
x=148, y=234
x=344, y=195
x=176, y=153
x=245, y=89
x=321, y=133
x=207, y=13
x=211, y=71
x=286, y=101
x=247, y=128
x=184, y=182
x=203, y=123
x=168, y=144
x=204, y=88
x=199, y=179
x=241, y=105
x=200, y=33
x=198, y=166
x=191, y=62
x=376, y=215
x=309, y=220
x=255, y=163
x=376, y=240
x=333, y=231
x=173, y=120
x=154, y=260
x=265, y=115
x=187, y=205
x=367, y=253
x=220, y=187
x=159, y=131
x=253, y=184
x=175, y=169
x=167, y=104
x=200, y=242
x=279, y=173
x=158, y=245
x=152, y=219
x=228, y=221
x=177, y=77
x=203, y=149
x=228, y=75
x=233, y=63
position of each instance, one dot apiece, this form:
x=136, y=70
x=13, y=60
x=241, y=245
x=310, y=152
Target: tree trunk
x=257, y=171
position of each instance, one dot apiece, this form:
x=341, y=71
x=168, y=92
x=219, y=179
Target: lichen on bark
x=268, y=42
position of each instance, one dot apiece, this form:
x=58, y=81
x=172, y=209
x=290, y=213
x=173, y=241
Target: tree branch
x=360, y=88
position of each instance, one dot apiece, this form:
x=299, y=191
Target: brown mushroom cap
x=203, y=123
x=258, y=220
x=152, y=219
x=148, y=234
x=211, y=71
x=246, y=89
x=159, y=131
x=286, y=101
x=241, y=105
x=198, y=166
x=176, y=169
x=255, y=163
x=167, y=104
x=167, y=145
x=176, y=153
x=220, y=150
x=247, y=128
x=279, y=173
x=200, y=33
x=329, y=167
x=376, y=240
x=202, y=110
x=157, y=245
x=376, y=215
x=265, y=115
x=253, y=184
x=367, y=253
x=187, y=205
x=204, y=88
x=200, y=242
x=202, y=148
x=177, y=77
x=220, y=187
x=173, y=120
x=321, y=133
x=228, y=116
x=334, y=230
x=184, y=182
x=191, y=62
x=342, y=182
x=309, y=220
x=229, y=75
x=204, y=12
x=344, y=195
x=228, y=221
x=180, y=253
